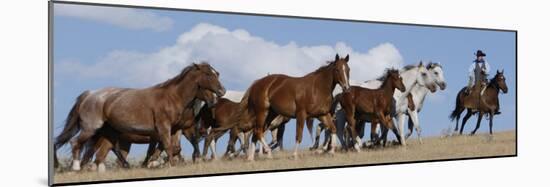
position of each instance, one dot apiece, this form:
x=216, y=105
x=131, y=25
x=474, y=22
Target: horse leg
x=230, y=150
x=151, y=149
x=340, y=128
x=214, y=156
x=176, y=145
x=207, y=142
x=479, y=117
x=394, y=129
x=91, y=150
x=101, y=154
x=413, y=115
x=491, y=114
x=465, y=119
x=327, y=119
x=261, y=115
x=301, y=118
x=280, y=135
x=401, y=125
x=77, y=143
x=461, y=109
x=374, y=129
x=166, y=139
x=316, y=138
x=121, y=151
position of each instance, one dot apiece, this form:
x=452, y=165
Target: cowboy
x=485, y=68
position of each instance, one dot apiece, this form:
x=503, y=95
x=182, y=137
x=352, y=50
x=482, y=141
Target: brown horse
x=109, y=139
x=222, y=117
x=151, y=111
x=374, y=104
x=489, y=105
x=304, y=97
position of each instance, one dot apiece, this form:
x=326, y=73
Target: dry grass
x=433, y=148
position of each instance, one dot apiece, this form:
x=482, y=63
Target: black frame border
x=50, y=91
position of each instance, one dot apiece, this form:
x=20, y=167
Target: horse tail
x=456, y=112
x=72, y=125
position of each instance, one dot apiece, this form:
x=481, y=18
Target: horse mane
x=384, y=77
x=409, y=67
x=432, y=65
x=178, y=78
x=386, y=73
x=323, y=67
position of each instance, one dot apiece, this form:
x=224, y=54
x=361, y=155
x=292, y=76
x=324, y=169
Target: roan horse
x=374, y=104
x=152, y=111
x=108, y=139
x=489, y=103
x=304, y=97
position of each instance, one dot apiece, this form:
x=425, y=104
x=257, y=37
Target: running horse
x=304, y=97
x=153, y=111
x=488, y=102
x=108, y=139
x=373, y=104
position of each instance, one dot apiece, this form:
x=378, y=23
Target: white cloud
x=122, y=17
x=239, y=56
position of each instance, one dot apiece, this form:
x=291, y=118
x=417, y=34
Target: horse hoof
x=154, y=164
x=101, y=168
x=76, y=165
x=295, y=156
x=93, y=167
x=319, y=151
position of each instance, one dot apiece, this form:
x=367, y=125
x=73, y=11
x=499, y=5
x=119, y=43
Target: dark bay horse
x=150, y=111
x=304, y=97
x=108, y=138
x=490, y=103
x=373, y=104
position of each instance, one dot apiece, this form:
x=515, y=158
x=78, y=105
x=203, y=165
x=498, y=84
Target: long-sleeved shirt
x=473, y=67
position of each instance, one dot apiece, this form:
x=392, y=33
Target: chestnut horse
x=152, y=111
x=489, y=105
x=109, y=139
x=374, y=104
x=304, y=97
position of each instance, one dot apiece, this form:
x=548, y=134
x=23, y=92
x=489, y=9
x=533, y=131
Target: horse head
x=209, y=97
x=341, y=72
x=436, y=72
x=395, y=79
x=424, y=79
x=500, y=81
x=209, y=79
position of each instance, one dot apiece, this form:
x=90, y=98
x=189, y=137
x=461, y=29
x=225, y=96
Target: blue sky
x=122, y=47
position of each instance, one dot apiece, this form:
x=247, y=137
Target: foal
x=362, y=103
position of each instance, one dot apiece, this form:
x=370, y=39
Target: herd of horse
x=192, y=104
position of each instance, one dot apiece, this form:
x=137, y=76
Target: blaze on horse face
x=210, y=79
x=341, y=72
x=501, y=81
x=424, y=79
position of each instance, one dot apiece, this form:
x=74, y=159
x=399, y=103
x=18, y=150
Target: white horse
x=412, y=75
x=419, y=94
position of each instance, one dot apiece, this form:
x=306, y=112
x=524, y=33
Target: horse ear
x=196, y=66
x=502, y=71
x=337, y=57
x=347, y=58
